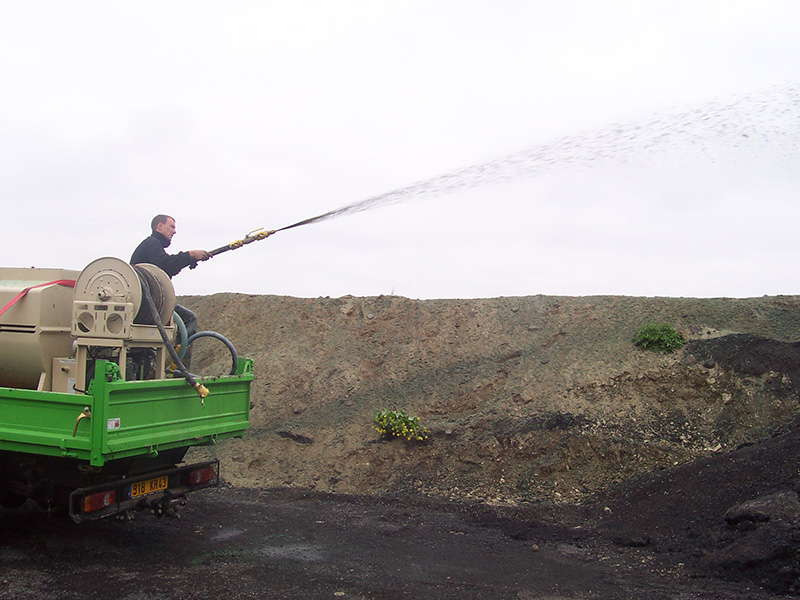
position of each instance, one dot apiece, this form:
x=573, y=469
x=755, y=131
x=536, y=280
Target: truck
x=96, y=417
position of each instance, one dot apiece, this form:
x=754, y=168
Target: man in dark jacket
x=152, y=250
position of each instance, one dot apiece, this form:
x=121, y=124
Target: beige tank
x=62, y=310
x=36, y=328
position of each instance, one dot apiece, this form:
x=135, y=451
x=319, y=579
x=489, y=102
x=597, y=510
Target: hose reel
x=113, y=311
x=117, y=305
x=108, y=298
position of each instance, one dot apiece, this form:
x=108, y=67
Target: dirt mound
x=531, y=399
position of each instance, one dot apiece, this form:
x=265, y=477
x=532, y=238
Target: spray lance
x=253, y=236
x=262, y=234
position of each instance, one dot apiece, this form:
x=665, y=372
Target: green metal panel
x=42, y=423
x=128, y=418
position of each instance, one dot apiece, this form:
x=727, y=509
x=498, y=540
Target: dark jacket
x=151, y=250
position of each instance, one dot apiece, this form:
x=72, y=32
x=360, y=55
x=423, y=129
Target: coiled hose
x=201, y=390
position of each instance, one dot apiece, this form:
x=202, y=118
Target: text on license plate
x=142, y=488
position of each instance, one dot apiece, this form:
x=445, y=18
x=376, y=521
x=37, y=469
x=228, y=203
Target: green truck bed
x=120, y=419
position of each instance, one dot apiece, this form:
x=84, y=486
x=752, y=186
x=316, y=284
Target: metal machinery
x=110, y=319
x=64, y=320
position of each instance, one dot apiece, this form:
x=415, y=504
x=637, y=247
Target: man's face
x=167, y=228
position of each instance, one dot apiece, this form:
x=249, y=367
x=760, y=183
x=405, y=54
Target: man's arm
x=151, y=251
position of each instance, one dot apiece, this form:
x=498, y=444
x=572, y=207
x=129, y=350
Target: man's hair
x=157, y=220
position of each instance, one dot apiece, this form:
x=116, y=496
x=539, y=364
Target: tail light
x=99, y=500
x=204, y=475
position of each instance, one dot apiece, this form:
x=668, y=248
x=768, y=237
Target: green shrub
x=659, y=337
x=396, y=423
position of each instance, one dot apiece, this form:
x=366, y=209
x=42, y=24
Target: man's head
x=163, y=224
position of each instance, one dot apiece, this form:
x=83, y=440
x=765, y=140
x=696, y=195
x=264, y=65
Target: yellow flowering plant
x=396, y=423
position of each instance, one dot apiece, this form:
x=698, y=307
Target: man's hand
x=199, y=254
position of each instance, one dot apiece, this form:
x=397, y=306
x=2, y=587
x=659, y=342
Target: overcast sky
x=636, y=147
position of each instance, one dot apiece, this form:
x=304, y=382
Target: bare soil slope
x=537, y=400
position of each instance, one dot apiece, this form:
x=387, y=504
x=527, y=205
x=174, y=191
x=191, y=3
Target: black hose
x=183, y=340
x=202, y=391
x=224, y=340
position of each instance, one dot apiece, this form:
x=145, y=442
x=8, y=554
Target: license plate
x=149, y=486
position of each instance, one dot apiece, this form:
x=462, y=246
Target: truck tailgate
x=124, y=418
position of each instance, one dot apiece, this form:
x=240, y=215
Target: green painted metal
x=128, y=418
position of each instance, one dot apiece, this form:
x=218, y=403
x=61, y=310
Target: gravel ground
x=285, y=543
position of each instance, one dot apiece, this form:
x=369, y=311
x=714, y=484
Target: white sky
x=236, y=115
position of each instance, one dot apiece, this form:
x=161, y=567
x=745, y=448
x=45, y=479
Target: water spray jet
x=750, y=120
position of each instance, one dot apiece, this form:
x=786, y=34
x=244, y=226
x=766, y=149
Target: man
x=152, y=250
